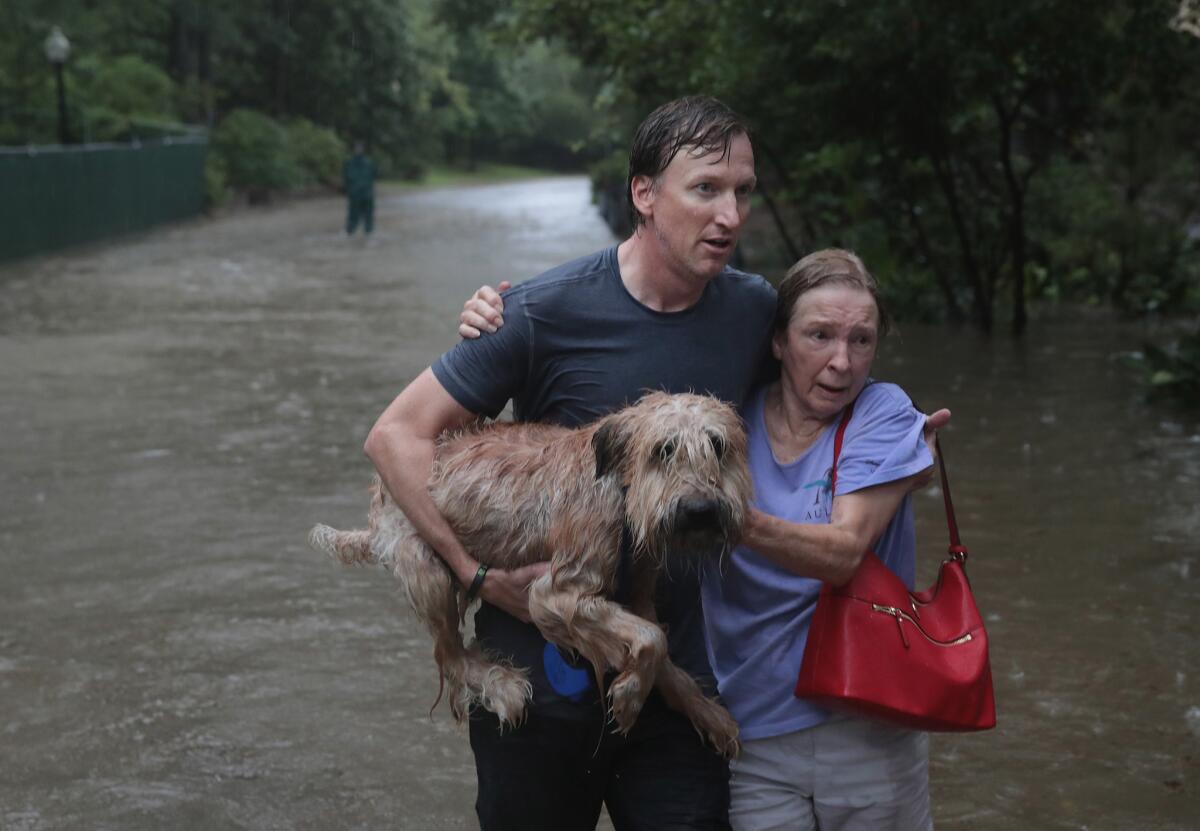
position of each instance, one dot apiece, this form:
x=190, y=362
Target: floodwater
x=177, y=409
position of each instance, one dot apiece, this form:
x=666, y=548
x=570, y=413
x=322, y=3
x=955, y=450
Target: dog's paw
x=727, y=744
x=510, y=717
x=350, y=547
x=506, y=691
x=716, y=724
x=323, y=538
x=626, y=696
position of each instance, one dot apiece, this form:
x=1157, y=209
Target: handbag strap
x=957, y=550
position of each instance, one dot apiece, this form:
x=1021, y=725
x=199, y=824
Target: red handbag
x=916, y=659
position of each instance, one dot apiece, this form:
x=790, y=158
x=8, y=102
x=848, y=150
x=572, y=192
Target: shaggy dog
x=671, y=470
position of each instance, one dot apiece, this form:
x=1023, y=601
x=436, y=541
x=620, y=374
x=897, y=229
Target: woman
x=800, y=766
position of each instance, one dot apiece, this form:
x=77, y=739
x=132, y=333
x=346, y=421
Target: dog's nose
x=695, y=514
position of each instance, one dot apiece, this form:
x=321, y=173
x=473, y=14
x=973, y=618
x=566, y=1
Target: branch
x=793, y=251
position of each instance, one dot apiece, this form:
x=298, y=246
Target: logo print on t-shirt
x=819, y=510
x=822, y=485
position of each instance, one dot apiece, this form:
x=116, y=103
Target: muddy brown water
x=177, y=409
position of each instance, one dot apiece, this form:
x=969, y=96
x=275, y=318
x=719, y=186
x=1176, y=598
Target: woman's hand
x=483, y=311
x=933, y=422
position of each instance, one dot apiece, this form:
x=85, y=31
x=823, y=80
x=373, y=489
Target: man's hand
x=483, y=311
x=509, y=590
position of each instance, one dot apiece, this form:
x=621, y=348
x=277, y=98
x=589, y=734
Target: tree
x=918, y=127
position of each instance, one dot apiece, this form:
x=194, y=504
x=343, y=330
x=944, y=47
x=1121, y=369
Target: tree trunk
x=177, y=47
x=981, y=300
x=1016, y=221
x=279, y=67
x=793, y=251
x=954, y=312
x=1018, y=271
x=810, y=229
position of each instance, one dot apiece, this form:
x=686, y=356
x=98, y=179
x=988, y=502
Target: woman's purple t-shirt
x=757, y=614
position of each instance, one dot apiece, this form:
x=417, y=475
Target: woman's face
x=827, y=348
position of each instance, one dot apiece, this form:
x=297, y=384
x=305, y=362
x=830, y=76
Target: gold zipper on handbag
x=901, y=616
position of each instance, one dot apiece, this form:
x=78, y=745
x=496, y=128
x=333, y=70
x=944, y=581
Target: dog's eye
x=665, y=451
x=718, y=444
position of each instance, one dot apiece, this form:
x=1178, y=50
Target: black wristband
x=477, y=583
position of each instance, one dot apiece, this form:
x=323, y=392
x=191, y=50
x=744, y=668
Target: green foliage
x=317, y=151
x=529, y=100
x=1174, y=372
x=547, y=87
x=420, y=81
x=255, y=153
x=1119, y=233
x=975, y=153
x=610, y=171
x=122, y=99
x=102, y=124
x=216, y=181
x=609, y=177
x=253, y=149
x=127, y=85
x=925, y=131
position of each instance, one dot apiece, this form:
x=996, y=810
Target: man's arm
x=830, y=552
x=483, y=312
x=401, y=446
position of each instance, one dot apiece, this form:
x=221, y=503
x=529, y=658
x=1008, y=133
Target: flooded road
x=178, y=409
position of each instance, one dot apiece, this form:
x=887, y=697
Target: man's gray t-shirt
x=575, y=346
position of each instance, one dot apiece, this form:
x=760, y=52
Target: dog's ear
x=609, y=445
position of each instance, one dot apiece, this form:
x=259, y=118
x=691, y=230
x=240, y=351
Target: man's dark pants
x=553, y=774
x=360, y=208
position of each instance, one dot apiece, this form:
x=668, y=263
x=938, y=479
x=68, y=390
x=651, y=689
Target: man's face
x=697, y=207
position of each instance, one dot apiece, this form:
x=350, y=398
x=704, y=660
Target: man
x=358, y=180
x=660, y=311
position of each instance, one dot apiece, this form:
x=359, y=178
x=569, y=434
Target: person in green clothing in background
x=358, y=179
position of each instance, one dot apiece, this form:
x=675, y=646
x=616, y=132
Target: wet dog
x=671, y=469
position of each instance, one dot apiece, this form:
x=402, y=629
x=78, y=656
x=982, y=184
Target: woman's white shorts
x=843, y=775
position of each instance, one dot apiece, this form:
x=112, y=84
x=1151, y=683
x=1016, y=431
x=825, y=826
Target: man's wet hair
x=697, y=122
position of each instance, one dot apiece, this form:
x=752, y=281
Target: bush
x=129, y=86
x=609, y=191
x=253, y=148
x=317, y=152
x=216, y=181
x=1101, y=243
x=1174, y=371
x=104, y=124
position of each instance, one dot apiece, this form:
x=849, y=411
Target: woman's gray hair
x=829, y=266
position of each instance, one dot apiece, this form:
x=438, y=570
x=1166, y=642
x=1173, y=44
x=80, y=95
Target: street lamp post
x=58, y=49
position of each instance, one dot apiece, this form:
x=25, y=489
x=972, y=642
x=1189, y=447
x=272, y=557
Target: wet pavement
x=177, y=411
x=179, y=408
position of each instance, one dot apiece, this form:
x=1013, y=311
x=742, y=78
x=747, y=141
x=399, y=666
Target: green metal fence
x=53, y=197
